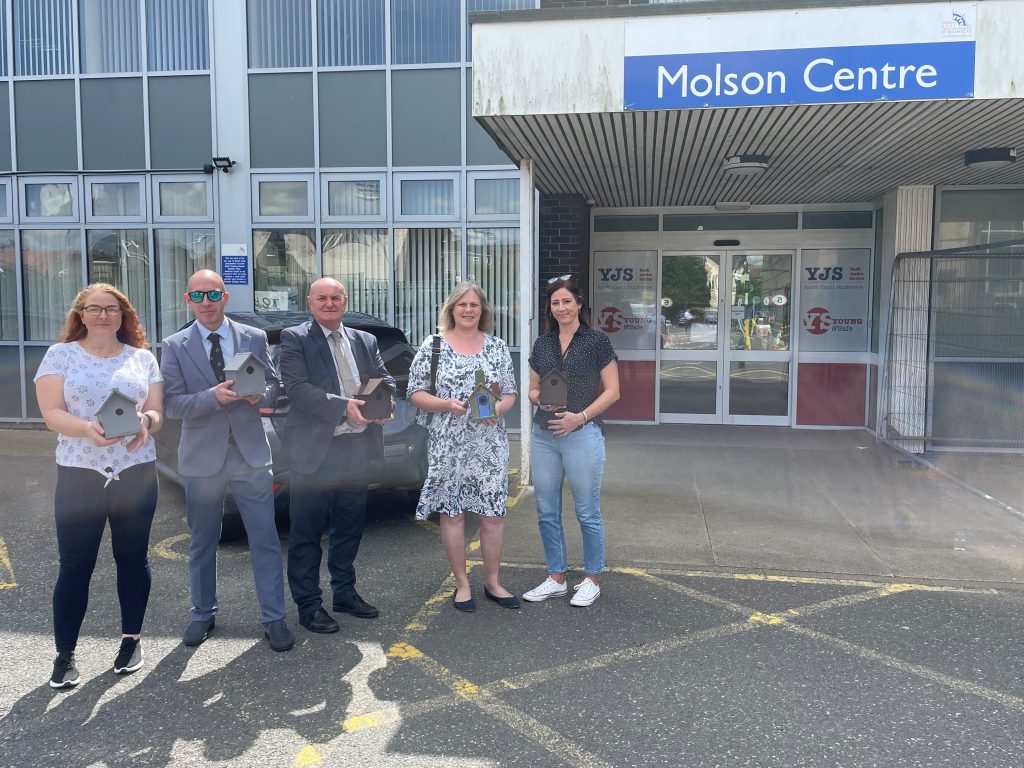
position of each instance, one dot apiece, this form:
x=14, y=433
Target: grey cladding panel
x=281, y=120
x=5, y=129
x=480, y=147
x=180, y=127
x=44, y=113
x=113, y=129
x=353, y=119
x=425, y=116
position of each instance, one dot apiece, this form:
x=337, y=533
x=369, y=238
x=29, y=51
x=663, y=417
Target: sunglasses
x=561, y=277
x=197, y=296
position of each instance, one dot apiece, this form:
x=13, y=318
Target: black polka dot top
x=588, y=354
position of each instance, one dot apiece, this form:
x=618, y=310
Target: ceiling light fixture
x=745, y=165
x=990, y=158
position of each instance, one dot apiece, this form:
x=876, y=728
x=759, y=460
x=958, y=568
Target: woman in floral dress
x=468, y=464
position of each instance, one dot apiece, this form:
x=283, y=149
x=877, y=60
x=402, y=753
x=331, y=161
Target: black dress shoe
x=319, y=621
x=197, y=632
x=278, y=635
x=356, y=606
x=464, y=605
x=505, y=602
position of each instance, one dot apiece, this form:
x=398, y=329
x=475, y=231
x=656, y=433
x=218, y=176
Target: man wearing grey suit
x=223, y=447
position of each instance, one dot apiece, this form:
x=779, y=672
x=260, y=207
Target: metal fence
x=953, y=377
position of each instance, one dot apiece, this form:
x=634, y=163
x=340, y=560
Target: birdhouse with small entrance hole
x=117, y=415
x=378, y=397
x=248, y=373
x=554, y=389
x=483, y=401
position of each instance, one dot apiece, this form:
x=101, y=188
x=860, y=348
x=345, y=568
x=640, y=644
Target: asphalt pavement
x=773, y=598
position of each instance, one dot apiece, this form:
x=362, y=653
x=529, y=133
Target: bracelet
x=585, y=417
x=149, y=420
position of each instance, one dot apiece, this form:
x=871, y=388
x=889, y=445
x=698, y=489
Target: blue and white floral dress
x=468, y=461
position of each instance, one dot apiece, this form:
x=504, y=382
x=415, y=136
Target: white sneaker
x=549, y=588
x=586, y=593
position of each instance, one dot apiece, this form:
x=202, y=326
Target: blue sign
x=235, y=269
x=911, y=72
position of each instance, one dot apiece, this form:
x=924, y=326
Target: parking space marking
x=7, y=580
x=163, y=548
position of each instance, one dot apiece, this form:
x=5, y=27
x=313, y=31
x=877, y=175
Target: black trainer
x=129, y=657
x=65, y=673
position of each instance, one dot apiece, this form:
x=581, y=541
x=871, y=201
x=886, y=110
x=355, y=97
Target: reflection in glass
x=8, y=288
x=761, y=292
x=496, y=196
x=116, y=199
x=426, y=269
x=284, y=268
x=494, y=263
x=109, y=35
x=428, y=197
x=121, y=257
x=353, y=198
x=359, y=259
x=183, y=198
x=689, y=285
x=758, y=388
x=284, y=198
x=689, y=386
x=51, y=264
x=42, y=200
x=179, y=253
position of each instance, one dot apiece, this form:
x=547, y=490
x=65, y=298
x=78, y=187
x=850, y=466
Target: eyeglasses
x=95, y=311
x=561, y=277
x=197, y=296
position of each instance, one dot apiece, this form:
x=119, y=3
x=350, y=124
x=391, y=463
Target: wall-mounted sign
x=806, y=56
x=834, y=307
x=625, y=304
x=234, y=263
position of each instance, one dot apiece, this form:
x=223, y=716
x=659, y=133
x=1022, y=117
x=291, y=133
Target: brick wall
x=564, y=242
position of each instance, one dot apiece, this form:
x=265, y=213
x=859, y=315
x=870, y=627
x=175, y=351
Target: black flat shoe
x=466, y=605
x=505, y=602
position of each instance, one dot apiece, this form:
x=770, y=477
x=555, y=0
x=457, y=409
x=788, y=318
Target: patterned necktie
x=216, y=357
x=348, y=381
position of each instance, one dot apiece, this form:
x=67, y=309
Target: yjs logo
x=818, y=321
x=824, y=273
x=611, y=320
x=617, y=274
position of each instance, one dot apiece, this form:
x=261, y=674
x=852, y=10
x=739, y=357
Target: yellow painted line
x=474, y=546
x=398, y=713
x=8, y=581
x=766, y=618
x=163, y=548
x=961, y=686
x=433, y=606
x=430, y=525
x=308, y=756
x=513, y=499
x=404, y=651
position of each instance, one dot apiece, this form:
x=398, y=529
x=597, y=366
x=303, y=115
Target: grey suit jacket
x=206, y=425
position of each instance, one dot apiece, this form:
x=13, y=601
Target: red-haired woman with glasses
x=100, y=479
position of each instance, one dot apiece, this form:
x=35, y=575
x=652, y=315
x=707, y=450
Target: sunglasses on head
x=197, y=296
x=560, y=277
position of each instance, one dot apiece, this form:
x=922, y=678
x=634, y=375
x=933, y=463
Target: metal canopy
x=833, y=153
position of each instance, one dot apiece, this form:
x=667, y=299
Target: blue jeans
x=579, y=456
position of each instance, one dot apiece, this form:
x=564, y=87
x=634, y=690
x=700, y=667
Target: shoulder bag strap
x=435, y=354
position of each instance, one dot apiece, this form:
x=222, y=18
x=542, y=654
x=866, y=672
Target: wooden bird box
x=554, y=389
x=482, y=401
x=248, y=373
x=117, y=415
x=377, y=395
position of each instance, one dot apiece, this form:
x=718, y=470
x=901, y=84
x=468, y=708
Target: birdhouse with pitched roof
x=378, y=397
x=248, y=373
x=117, y=415
x=484, y=399
x=554, y=389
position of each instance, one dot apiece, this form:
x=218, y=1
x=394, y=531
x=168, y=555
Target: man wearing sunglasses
x=223, y=447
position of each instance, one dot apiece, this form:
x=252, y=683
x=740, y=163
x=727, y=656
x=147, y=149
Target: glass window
x=284, y=267
x=179, y=253
x=284, y=198
x=975, y=216
x=762, y=290
x=837, y=220
x=424, y=31
x=354, y=198
x=280, y=34
x=119, y=198
x=177, y=35
x=51, y=265
x=43, y=33
x=426, y=269
x=496, y=197
x=49, y=200
x=121, y=257
x=696, y=222
x=5, y=200
x=493, y=262
x=8, y=288
x=758, y=388
x=359, y=259
x=3, y=49
x=644, y=223
x=183, y=199
x=473, y=6
x=351, y=32
x=109, y=35
x=427, y=197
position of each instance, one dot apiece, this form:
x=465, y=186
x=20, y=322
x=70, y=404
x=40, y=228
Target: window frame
x=472, y=177
x=327, y=218
x=7, y=213
x=254, y=199
x=140, y=184
x=160, y=218
x=76, y=200
x=454, y=177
